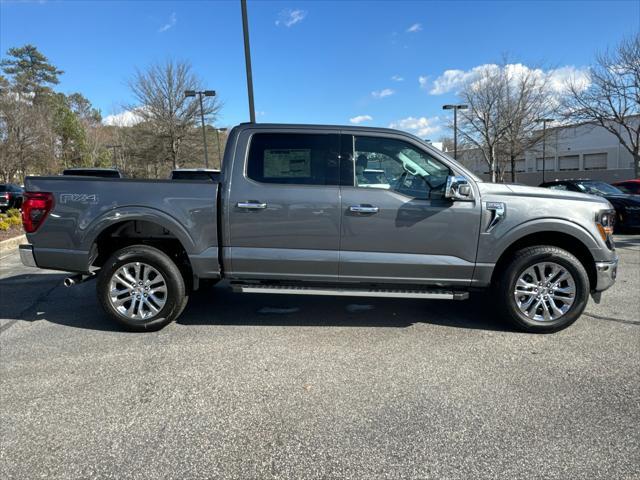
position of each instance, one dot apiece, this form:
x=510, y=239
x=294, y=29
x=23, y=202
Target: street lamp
x=544, y=122
x=455, y=109
x=218, y=130
x=200, y=94
x=247, y=60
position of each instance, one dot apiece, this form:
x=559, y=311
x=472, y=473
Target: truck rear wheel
x=141, y=288
x=543, y=289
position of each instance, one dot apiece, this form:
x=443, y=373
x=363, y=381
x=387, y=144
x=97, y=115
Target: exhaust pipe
x=77, y=279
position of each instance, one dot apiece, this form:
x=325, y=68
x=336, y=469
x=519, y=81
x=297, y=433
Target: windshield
x=598, y=188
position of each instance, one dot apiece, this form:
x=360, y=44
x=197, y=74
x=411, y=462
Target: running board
x=433, y=294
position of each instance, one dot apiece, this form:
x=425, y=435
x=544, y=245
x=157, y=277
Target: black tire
x=522, y=260
x=176, y=295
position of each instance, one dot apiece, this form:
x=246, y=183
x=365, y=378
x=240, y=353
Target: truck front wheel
x=141, y=288
x=543, y=289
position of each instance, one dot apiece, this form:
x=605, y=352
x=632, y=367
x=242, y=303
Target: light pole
x=544, y=143
x=218, y=130
x=201, y=93
x=455, y=109
x=247, y=60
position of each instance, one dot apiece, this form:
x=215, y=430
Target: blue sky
x=315, y=61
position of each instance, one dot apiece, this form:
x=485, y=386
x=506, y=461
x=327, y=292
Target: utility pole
x=115, y=162
x=544, y=143
x=455, y=109
x=200, y=94
x=247, y=60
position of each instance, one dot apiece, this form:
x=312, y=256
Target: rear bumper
x=26, y=256
x=606, y=274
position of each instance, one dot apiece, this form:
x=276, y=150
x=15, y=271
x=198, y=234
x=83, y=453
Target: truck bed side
x=92, y=215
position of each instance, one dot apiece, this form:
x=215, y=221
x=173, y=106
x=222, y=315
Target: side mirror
x=458, y=188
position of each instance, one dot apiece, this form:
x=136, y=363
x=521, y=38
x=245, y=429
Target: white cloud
x=422, y=126
x=173, y=19
x=289, y=17
x=416, y=27
x=559, y=78
x=453, y=80
x=361, y=118
x=423, y=80
x=397, y=78
x=127, y=118
x=385, y=92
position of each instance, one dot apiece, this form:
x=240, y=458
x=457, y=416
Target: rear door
x=284, y=206
x=397, y=227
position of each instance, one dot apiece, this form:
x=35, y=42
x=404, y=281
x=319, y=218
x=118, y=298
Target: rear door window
x=294, y=158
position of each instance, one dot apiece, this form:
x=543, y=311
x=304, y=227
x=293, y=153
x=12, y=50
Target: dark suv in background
x=10, y=196
x=627, y=206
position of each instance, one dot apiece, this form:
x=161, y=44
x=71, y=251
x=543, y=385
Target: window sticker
x=287, y=163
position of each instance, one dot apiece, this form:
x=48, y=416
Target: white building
x=573, y=151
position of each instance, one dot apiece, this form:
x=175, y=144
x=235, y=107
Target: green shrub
x=13, y=212
x=15, y=221
x=4, y=226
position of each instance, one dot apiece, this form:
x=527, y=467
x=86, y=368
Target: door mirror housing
x=458, y=188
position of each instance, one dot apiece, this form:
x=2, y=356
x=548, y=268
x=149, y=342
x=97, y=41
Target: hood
x=624, y=199
x=538, y=192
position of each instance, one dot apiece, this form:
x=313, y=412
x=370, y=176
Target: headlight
x=605, y=221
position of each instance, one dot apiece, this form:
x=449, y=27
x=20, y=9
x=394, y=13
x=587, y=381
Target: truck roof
x=298, y=126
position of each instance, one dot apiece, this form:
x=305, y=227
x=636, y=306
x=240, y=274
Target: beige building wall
x=576, y=151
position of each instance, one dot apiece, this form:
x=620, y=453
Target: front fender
x=494, y=243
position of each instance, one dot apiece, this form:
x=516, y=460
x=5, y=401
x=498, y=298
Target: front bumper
x=26, y=256
x=606, y=273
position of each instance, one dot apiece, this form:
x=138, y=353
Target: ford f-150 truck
x=296, y=209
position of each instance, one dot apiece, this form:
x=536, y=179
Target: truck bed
x=88, y=210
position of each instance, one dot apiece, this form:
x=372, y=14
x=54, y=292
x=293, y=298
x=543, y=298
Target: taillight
x=35, y=208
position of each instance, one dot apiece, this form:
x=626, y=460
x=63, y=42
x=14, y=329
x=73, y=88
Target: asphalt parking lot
x=267, y=386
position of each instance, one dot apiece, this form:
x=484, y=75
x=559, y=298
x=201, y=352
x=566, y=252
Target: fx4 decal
x=84, y=198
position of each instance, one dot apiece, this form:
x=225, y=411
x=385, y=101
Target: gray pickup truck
x=323, y=210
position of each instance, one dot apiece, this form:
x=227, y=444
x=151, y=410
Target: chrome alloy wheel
x=545, y=291
x=137, y=291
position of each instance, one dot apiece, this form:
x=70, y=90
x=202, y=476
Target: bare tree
x=612, y=100
x=526, y=99
x=483, y=125
x=162, y=106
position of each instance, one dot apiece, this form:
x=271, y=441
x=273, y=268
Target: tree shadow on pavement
x=41, y=297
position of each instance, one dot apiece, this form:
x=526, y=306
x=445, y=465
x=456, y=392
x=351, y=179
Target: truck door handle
x=363, y=209
x=252, y=205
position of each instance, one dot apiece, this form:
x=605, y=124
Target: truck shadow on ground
x=317, y=311
x=42, y=297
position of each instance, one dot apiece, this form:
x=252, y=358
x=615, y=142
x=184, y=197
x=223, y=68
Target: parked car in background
x=10, y=196
x=627, y=206
x=93, y=172
x=631, y=187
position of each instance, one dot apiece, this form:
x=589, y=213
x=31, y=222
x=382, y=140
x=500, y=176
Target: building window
x=548, y=164
x=520, y=165
x=569, y=162
x=595, y=161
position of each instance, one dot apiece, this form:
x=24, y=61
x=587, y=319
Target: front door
x=397, y=227
x=284, y=208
